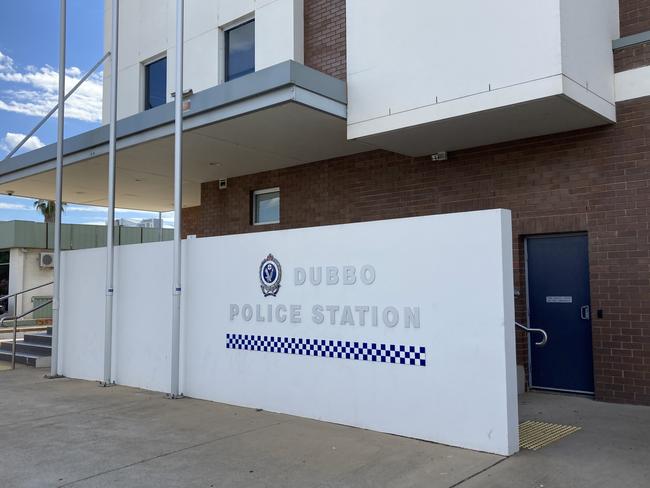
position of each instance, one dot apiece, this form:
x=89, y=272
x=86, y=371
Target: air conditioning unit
x=47, y=260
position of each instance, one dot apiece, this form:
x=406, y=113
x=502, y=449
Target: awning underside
x=277, y=128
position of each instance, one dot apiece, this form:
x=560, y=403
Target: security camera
x=10, y=192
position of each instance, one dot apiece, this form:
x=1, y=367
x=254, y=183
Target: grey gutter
x=633, y=40
x=285, y=74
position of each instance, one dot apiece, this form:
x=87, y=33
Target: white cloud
x=96, y=222
x=83, y=208
x=14, y=206
x=6, y=63
x=39, y=94
x=12, y=139
x=95, y=209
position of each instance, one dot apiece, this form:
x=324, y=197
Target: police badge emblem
x=270, y=276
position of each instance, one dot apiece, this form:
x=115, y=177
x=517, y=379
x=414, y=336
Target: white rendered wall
x=588, y=28
x=634, y=83
x=147, y=32
x=142, y=308
x=25, y=272
x=16, y=271
x=456, y=269
x=414, y=62
x=81, y=314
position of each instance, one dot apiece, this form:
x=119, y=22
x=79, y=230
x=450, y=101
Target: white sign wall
x=402, y=326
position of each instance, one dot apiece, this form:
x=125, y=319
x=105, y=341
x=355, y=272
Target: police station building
x=373, y=193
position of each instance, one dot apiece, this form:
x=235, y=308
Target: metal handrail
x=13, y=295
x=15, y=319
x=530, y=330
x=51, y=112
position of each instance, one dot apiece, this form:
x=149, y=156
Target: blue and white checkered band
x=270, y=276
x=357, y=351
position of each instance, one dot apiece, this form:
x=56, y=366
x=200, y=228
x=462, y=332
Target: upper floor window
x=266, y=206
x=240, y=50
x=155, y=83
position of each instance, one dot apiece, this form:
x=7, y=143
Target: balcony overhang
x=538, y=108
x=282, y=116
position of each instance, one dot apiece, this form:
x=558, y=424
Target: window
x=266, y=206
x=155, y=84
x=240, y=50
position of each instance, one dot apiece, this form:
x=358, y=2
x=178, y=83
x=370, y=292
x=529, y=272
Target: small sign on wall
x=559, y=299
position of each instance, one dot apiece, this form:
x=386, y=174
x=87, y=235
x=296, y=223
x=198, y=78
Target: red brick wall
x=634, y=16
x=595, y=180
x=325, y=36
x=632, y=57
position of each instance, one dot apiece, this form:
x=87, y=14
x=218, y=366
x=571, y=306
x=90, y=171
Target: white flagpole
x=54, y=368
x=110, y=220
x=178, y=195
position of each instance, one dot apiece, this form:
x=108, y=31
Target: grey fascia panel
x=319, y=83
x=632, y=40
x=326, y=105
x=285, y=74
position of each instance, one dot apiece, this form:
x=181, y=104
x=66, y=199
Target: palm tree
x=47, y=208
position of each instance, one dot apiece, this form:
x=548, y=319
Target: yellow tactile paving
x=535, y=435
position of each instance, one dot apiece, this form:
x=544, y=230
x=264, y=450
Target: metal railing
x=530, y=330
x=14, y=295
x=15, y=319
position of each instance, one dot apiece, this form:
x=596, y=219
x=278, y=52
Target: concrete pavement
x=73, y=433
x=611, y=451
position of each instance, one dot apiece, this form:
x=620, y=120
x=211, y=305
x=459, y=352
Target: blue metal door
x=559, y=302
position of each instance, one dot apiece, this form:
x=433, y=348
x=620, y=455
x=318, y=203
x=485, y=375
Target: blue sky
x=29, y=38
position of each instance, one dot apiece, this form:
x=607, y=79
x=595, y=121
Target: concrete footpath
x=73, y=433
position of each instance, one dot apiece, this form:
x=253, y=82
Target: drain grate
x=535, y=435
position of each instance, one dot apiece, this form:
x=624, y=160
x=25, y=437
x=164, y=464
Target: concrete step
x=28, y=359
x=28, y=347
x=41, y=338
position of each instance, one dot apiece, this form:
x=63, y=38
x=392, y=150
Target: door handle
x=585, y=312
